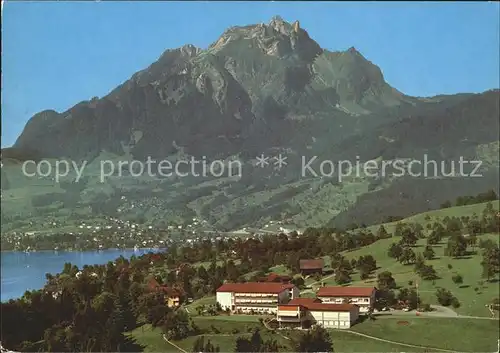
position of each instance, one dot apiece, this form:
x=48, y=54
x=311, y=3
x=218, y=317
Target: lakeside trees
x=78, y=305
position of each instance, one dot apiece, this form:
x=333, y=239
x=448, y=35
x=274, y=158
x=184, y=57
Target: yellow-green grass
x=151, y=339
x=348, y=342
x=462, y=335
x=438, y=215
x=225, y=320
x=210, y=300
x=280, y=270
x=226, y=343
x=472, y=302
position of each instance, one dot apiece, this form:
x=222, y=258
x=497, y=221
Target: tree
x=385, y=280
x=398, y=231
x=444, y=296
x=384, y=298
x=395, y=251
x=457, y=279
x=433, y=238
x=472, y=241
x=446, y=204
x=382, y=233
x=455, y=303
x=410, y=297
x=491, y=262
x=366, y=265
x=255, y=344
x=408, y=237
x=314, y=340
x=428, y=273
x=292, y=262
x=456, y=247
x=298, y=281
x=342, y=276
x=407, y=257
x=428, y=253
x=205, y=347
x=177, y=325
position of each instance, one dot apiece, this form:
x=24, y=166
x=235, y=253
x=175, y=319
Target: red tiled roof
x=311, y=264
x=288, y=307
x=274, y=276
x=304, y=301
x=153, y=283
x=255, y=287
x=171, y=292
x=345, y=291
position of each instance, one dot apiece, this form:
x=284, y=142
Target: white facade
x=290, y=316
x=256, y=302
x=224, y=299
x=364, y=303
x=334, y=319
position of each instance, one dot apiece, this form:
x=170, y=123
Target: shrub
x=426, y=308
x=455, y=303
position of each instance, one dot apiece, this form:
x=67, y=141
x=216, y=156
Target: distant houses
x=311, y=267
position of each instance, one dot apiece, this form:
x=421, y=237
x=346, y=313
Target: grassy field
x=210, y=300
x=462, y=335
x=438, y=215
x=472, y=302
x=152, y=340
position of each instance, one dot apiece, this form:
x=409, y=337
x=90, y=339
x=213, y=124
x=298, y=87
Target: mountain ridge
x=261, y=89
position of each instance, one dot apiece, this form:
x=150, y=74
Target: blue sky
x=57, y=54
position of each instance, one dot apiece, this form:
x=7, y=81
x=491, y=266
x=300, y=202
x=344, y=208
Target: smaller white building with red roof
x=304, y=312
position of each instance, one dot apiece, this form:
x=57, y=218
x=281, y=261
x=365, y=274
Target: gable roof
x=255, y=287
x=172, y=292
x=273, y=277
x=345, y=291
x=311, y=264
x=304, y=301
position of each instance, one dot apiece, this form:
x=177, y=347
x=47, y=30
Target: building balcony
x=290, y=319
x=256, y=305
x=255, y=301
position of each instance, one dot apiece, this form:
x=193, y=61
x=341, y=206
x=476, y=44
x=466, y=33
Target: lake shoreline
x=22, y=271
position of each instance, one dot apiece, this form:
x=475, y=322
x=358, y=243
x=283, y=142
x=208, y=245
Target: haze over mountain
x=259, y=89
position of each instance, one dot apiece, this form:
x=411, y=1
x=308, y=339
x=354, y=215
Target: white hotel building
x=259, y=297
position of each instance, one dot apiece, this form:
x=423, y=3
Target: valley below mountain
x=264, y=90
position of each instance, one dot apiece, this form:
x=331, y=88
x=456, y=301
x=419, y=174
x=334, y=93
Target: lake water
x=25, y=271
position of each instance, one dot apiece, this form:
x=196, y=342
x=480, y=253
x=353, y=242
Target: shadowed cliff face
x=246, y=85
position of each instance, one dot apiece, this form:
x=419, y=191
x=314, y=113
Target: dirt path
x=400, y=343
x=312, y=284
x=266, y=322
x=173, y=344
